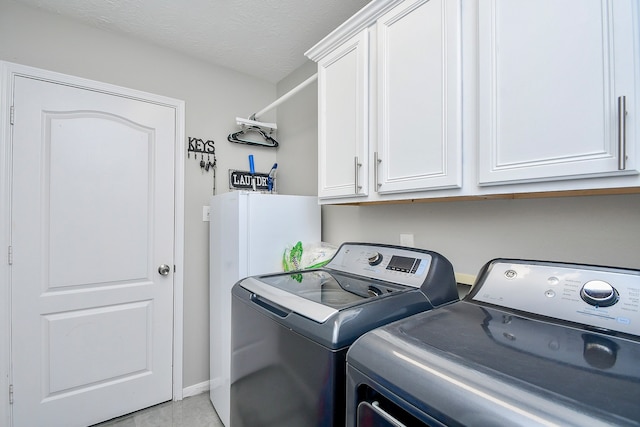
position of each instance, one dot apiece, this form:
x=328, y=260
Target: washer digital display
x=403, y=264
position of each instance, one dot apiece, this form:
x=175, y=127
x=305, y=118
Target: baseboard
x=195, y=389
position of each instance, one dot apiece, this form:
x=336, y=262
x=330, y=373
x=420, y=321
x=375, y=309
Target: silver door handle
x=384, y=414
x=622, y=132
x=376, y=165
x=164, y=269
x=357, y=165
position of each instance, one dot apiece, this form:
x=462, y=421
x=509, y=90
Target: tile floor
x=194, y=411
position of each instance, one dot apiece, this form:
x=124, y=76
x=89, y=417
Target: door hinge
x=11, y=394
x=10, y=255
x=11, y=114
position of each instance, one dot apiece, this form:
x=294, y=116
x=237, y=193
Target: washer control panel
x=601, y=297
x=395, y=264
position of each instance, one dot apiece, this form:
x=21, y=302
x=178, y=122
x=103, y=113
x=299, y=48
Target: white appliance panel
x=248, y=235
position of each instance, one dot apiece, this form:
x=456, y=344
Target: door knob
x=164, y=269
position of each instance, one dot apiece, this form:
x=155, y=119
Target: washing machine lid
x=467, y=363
x=318, y=294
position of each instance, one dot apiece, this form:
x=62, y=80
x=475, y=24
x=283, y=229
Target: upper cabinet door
x=343, y=98
x=419, y=97
x=555, y=79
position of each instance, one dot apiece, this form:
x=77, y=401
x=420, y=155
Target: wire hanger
x=268, y=140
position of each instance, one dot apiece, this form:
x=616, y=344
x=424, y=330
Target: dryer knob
x=599, y=293
x=375, y=259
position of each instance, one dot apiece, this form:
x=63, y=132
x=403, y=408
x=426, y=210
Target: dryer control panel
x=600, y=297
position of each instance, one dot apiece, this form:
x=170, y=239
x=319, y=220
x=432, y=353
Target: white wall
x=214, y=96
x=590, y=229
x=298, y=135
x=598, y=229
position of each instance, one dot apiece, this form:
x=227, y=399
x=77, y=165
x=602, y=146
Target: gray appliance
x=291, y=331
x=534, y=343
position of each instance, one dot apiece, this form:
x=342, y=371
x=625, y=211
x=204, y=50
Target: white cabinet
x=424, y=99
x=418, y=97
x=343, y=126
x=553, y=76
x=389, y=110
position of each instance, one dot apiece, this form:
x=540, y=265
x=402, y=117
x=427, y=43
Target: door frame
x=8, y=71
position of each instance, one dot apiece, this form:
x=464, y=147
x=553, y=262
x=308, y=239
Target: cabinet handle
x=357, y=169
x=622, y=132
x=376, y=162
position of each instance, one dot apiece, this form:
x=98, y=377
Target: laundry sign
x=243, y=180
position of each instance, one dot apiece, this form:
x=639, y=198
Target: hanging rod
x=246, y=122
x=284, y=97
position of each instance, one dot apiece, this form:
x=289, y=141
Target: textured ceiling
x=263, y=38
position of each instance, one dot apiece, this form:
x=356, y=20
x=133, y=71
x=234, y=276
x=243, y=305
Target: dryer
x=534, y=343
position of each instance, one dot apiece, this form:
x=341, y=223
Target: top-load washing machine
x=291, y=331
x=534, y=344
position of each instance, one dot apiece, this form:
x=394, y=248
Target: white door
x=92, y=220
x=419, y=119
x=343, y=121
x=551, y=76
